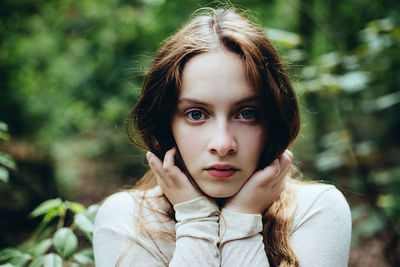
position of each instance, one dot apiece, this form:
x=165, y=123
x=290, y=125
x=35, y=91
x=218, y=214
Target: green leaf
x=4, y=135
x=14, y=257
x=329, y=60
x=4, y=176
x=54, y=212
x=48, y=260
x=83, y=222
x=285, y=38
x=84, y=257
x=75, y=207
x=92, y=211
x=8, y=253
x=387, y=101
x=329, y=160
x=353, y=81
x=371, y=225
x=21, y=260
x=42, y=247
x=7, y=161
x=7, y=265
x=386, y=177
x=53, y=260
x=46, y=206
x=65, y=242
x=37, y=262
x=3, y=127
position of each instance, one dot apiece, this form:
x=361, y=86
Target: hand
x=175, y=185
x=262, y=188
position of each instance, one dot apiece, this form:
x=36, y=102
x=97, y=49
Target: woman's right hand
x=175, y=185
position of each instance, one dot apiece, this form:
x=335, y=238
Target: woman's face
x=217, y=125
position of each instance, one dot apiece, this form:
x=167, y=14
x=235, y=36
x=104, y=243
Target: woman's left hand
x=175, y=185
x=262, y=188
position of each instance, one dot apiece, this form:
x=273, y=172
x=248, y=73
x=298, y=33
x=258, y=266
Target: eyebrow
x=199, y=102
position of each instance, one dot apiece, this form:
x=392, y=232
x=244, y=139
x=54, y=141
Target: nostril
x=223, y=149
x=222, y=140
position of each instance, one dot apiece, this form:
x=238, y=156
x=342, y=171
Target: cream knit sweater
x=205, y=236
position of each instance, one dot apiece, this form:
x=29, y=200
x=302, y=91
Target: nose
x=222, y=141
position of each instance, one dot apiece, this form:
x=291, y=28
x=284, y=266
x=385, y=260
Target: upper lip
x=222, y=167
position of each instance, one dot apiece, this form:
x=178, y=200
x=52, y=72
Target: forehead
x=215, y=75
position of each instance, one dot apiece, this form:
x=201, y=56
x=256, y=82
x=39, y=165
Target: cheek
x=255, y=140
x=188, y=141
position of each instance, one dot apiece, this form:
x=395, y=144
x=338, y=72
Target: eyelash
x=190, y=113
x=253, y=111
x=203, y=116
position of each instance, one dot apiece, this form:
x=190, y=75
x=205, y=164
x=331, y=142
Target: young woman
x=216, y=115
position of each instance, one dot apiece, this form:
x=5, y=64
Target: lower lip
x=221, y=174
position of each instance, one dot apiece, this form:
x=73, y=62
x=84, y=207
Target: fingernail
x=290, y=154
x=149, y=155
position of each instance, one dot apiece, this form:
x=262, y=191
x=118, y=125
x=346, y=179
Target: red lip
x=221, y=171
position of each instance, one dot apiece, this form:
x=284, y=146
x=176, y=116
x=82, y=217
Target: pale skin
x=256, y=195
x=217, y=123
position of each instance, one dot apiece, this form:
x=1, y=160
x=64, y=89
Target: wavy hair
x=151, y=117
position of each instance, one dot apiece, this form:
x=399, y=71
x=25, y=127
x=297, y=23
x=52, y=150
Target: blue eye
x=195, y=115
x=248, y=114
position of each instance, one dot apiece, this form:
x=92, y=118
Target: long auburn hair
x=151, y=117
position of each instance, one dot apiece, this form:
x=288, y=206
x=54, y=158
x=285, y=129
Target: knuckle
x=283, y=159
x=276, y=170
x=288, y=159
x=166, y=169
x=151, y=161
x=170, y=171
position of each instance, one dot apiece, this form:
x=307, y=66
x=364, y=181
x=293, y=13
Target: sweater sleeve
x=196, y=233
x=322, y=227
x=241, y=242
x=320, y=233
x=118, y=238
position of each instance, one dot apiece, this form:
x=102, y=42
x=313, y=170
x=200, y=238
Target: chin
x=215, y=193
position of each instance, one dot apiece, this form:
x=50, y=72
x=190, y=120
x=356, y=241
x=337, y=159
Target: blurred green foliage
x=353, y=110
x=70, y=72
x=6, y=162
x=56, y=246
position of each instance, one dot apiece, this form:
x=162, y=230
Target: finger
x=273, y=169
x=285, y=161
x=152, y=159
x=169, y=166
x=154, y=163
x=169, y=159
x=290, y=154
x=285, y=156
x=278, y=181
x=268, y=174
x=280, y=186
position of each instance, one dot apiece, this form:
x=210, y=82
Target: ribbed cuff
x=235, y=225
x=197, y=218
